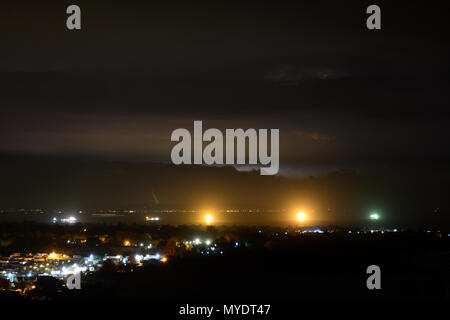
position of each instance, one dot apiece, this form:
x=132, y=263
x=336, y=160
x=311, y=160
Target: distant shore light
x=374, y=216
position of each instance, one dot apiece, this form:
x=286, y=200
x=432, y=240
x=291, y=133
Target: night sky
x=344, y=97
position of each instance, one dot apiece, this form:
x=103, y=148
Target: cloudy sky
x=342, y=96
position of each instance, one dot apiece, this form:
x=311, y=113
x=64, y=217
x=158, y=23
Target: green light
x=374, y=216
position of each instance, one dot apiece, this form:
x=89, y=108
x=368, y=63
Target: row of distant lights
x=197, y=242
x=209, y=218
x=301, y=216
x=65, y=220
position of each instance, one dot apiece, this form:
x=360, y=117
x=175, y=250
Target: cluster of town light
x=300, y=216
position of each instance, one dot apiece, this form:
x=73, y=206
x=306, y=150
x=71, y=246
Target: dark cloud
x=341, y=95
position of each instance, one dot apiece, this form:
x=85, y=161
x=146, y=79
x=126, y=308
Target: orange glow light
x=209, y=219
x=52, y=256
x=301, y=216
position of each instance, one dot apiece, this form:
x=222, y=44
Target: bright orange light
x=52, y=256
x=209, y=219
x=164, y=259
x=301, y=216
x=126, y=243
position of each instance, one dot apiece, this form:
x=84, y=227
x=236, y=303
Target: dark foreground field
x=327, y=266
x=334, y=268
